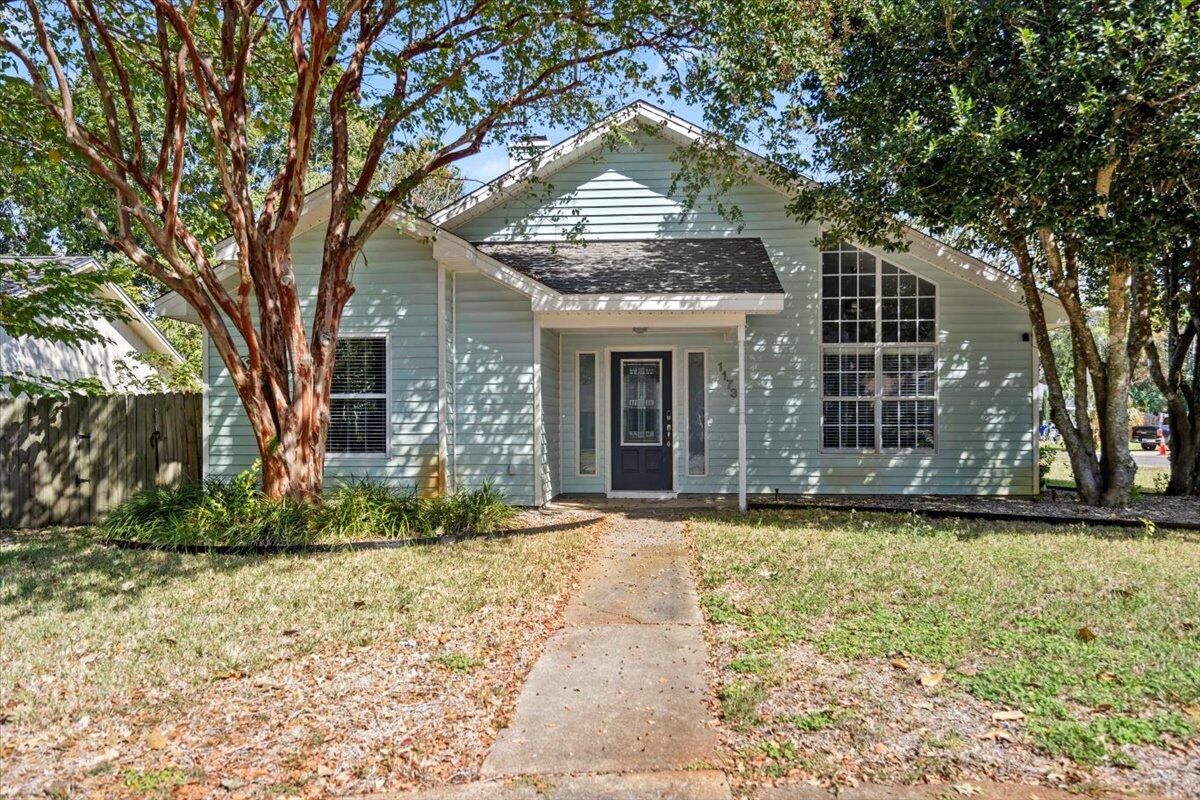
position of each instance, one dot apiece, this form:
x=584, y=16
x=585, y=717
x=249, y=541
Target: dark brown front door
x=641, y=421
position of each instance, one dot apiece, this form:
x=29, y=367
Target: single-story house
x=673, y=351
x=128, y=359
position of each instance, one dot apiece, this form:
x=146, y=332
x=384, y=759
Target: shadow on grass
x=72, y=569
x=916, y=523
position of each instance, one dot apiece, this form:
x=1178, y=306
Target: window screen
x=697, y=403
x=358, y=413
x=587, y=413
x=878, y=383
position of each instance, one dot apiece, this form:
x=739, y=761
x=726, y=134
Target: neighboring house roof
x=74, y=262
x=150, y=337
x=666, y=266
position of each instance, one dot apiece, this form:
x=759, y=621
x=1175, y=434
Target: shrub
x=1047, y=452
x=236, y=513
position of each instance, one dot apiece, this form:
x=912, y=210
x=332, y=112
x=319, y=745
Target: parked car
x=1148, y=435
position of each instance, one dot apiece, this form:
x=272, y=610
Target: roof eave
x=683, y=303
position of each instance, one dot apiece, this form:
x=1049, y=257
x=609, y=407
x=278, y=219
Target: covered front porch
x=638, y=359
x=641, y=405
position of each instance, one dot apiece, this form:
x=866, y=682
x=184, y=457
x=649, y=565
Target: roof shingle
x=646, y=266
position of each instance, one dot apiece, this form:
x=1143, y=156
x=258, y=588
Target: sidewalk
x=615, y=706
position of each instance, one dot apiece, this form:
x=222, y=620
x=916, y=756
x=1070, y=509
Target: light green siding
x=493, y=387
x=395, y=280
x=985, y=436
x=551, y=429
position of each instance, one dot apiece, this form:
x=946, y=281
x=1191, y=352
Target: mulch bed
x=1058, y=507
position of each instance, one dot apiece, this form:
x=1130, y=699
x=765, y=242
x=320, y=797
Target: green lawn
x=1148, y=479
x=85, y=624
x=1093, y=636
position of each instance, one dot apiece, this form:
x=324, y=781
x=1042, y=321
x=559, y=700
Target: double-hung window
x=358, y=404
x=878, y=355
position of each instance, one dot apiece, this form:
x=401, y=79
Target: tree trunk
x=1185, y=449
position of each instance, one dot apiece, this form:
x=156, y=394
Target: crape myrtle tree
x=176, y=94
x=1035, y=132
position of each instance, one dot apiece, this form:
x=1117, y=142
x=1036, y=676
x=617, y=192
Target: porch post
x=741, y=391
x=538, y=489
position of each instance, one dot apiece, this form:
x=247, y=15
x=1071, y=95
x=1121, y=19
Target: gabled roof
x=965, y=266
x=438, y=229
x=665, y=266
x=136, y=318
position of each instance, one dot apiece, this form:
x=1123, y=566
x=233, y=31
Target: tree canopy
x=211, y=119
x=1048, y=134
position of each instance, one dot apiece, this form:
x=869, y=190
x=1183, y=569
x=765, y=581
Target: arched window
x=878, y=355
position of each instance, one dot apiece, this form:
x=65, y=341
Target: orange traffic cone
x=1162, y=447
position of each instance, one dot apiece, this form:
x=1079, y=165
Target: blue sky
x=492, y=161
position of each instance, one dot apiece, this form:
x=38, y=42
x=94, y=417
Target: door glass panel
x=641, y=401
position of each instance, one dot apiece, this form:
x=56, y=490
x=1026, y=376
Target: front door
x=641, y=422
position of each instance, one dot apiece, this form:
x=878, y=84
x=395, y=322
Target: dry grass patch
x=891, y=648
x=239, y=673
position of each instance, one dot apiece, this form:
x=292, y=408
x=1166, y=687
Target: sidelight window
x=697, y=410
x=587, y=394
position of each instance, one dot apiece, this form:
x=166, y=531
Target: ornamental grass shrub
x=235, y=512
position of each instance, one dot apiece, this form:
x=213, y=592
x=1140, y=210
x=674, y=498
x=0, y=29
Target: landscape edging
x=995, y=516
x=313, y=547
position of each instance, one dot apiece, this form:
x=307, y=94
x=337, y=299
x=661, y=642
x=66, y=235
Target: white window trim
x=879, y=347
x=361, y=458
x=687, y=412
x=596, y=367
x=621, y=398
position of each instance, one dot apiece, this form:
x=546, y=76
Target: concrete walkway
x=615, y=707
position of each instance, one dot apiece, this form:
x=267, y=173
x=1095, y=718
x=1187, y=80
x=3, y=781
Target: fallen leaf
x=931, y=679
x=156, y=740
x=899, y=663
x=1106, y=677
x=1085, y=634
x=967, y=789
x=1193, y=712
x=997, y=735
x=1007, y=716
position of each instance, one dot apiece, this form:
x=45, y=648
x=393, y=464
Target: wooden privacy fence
x=68, y=461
